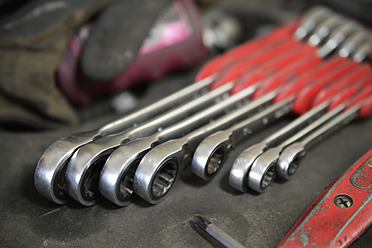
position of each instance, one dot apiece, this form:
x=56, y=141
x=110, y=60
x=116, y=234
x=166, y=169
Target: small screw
x=343, y=201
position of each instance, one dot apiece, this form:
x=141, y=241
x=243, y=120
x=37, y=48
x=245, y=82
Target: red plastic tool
x=340, y=214
x=222, y=62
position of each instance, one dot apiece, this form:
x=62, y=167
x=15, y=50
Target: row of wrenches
x=311, y=66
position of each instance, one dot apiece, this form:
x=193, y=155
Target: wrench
x=115, y=175
x=212, y=152
x=353, y=42
x=161, y=167
x=289, y=159
x=263, y=169
x=362, y=52
x=324, y=29
x=49, y=172
x=337, y=37
x=243, y=163
x=82, y=169
x=310, y=20
x=126, y=157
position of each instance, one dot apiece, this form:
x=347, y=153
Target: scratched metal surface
x=29, y=220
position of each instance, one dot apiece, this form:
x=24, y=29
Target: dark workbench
x=29, y=220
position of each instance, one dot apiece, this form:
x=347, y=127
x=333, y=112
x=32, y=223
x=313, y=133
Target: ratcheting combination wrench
x=264, y=168
x=289, y=158
x=82, y=175
x=50, y=171
x=212, y=151
x=119, y=169
x=108, y=161
x=339, y=91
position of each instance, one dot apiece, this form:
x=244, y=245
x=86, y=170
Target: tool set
x=311, y=66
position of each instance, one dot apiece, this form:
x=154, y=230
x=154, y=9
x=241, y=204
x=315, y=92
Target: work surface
x=29, y=220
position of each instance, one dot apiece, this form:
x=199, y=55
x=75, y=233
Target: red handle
x=275, y=66
x=320, y=70
x=287, y=74
x=262, y=55
x=306, y=96
x=225, y=60
x=339, y=214
x=359, y=76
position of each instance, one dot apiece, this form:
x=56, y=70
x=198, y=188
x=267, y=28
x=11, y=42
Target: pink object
x=178, y=45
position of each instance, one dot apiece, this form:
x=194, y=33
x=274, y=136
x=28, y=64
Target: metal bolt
x=343, y=201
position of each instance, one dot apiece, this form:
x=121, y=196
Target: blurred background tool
x=216, y=232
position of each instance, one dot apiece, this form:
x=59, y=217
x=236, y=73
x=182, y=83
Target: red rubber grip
x=275, y=65
x=248, y=65
x=306, y=96
x=360, y=76
x=225, y=60
x=366, y=109
x=287, y=74
x=320, y=70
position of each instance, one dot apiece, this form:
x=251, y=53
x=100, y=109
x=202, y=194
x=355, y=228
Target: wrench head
x=117, y=175
x=263, y=171
x=83, y=172
x=210, y=155
x=159, y=170
x=49, y=176
x=289, y=160
x=238, y=177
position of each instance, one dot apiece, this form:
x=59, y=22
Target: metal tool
x=213, y=151
x=310, y=20
x=244, y=51
x=242, y=165
x=84, y=166
x=262, y=171
x=217, y=233
x=49, y=172
x=124, y=160
x=264, y=168
x=353, y=42
x=337, y=37
x=362, y=52
x=246, y=160
x=290, y=157
x=324, y=29
x=117, y=174
x=340, y=214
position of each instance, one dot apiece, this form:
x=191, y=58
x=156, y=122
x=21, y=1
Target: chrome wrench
x=213, y=150
x=243, y=163
x=241, y=167
x=310, y=20
x=262, y=171
x=49, y=172
x=84, y=166
x=353, y=42
x=264, y=168
x=337, y=37
x=289, y=159
x=324, y=29
x=120, y=159
x=160, y=168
